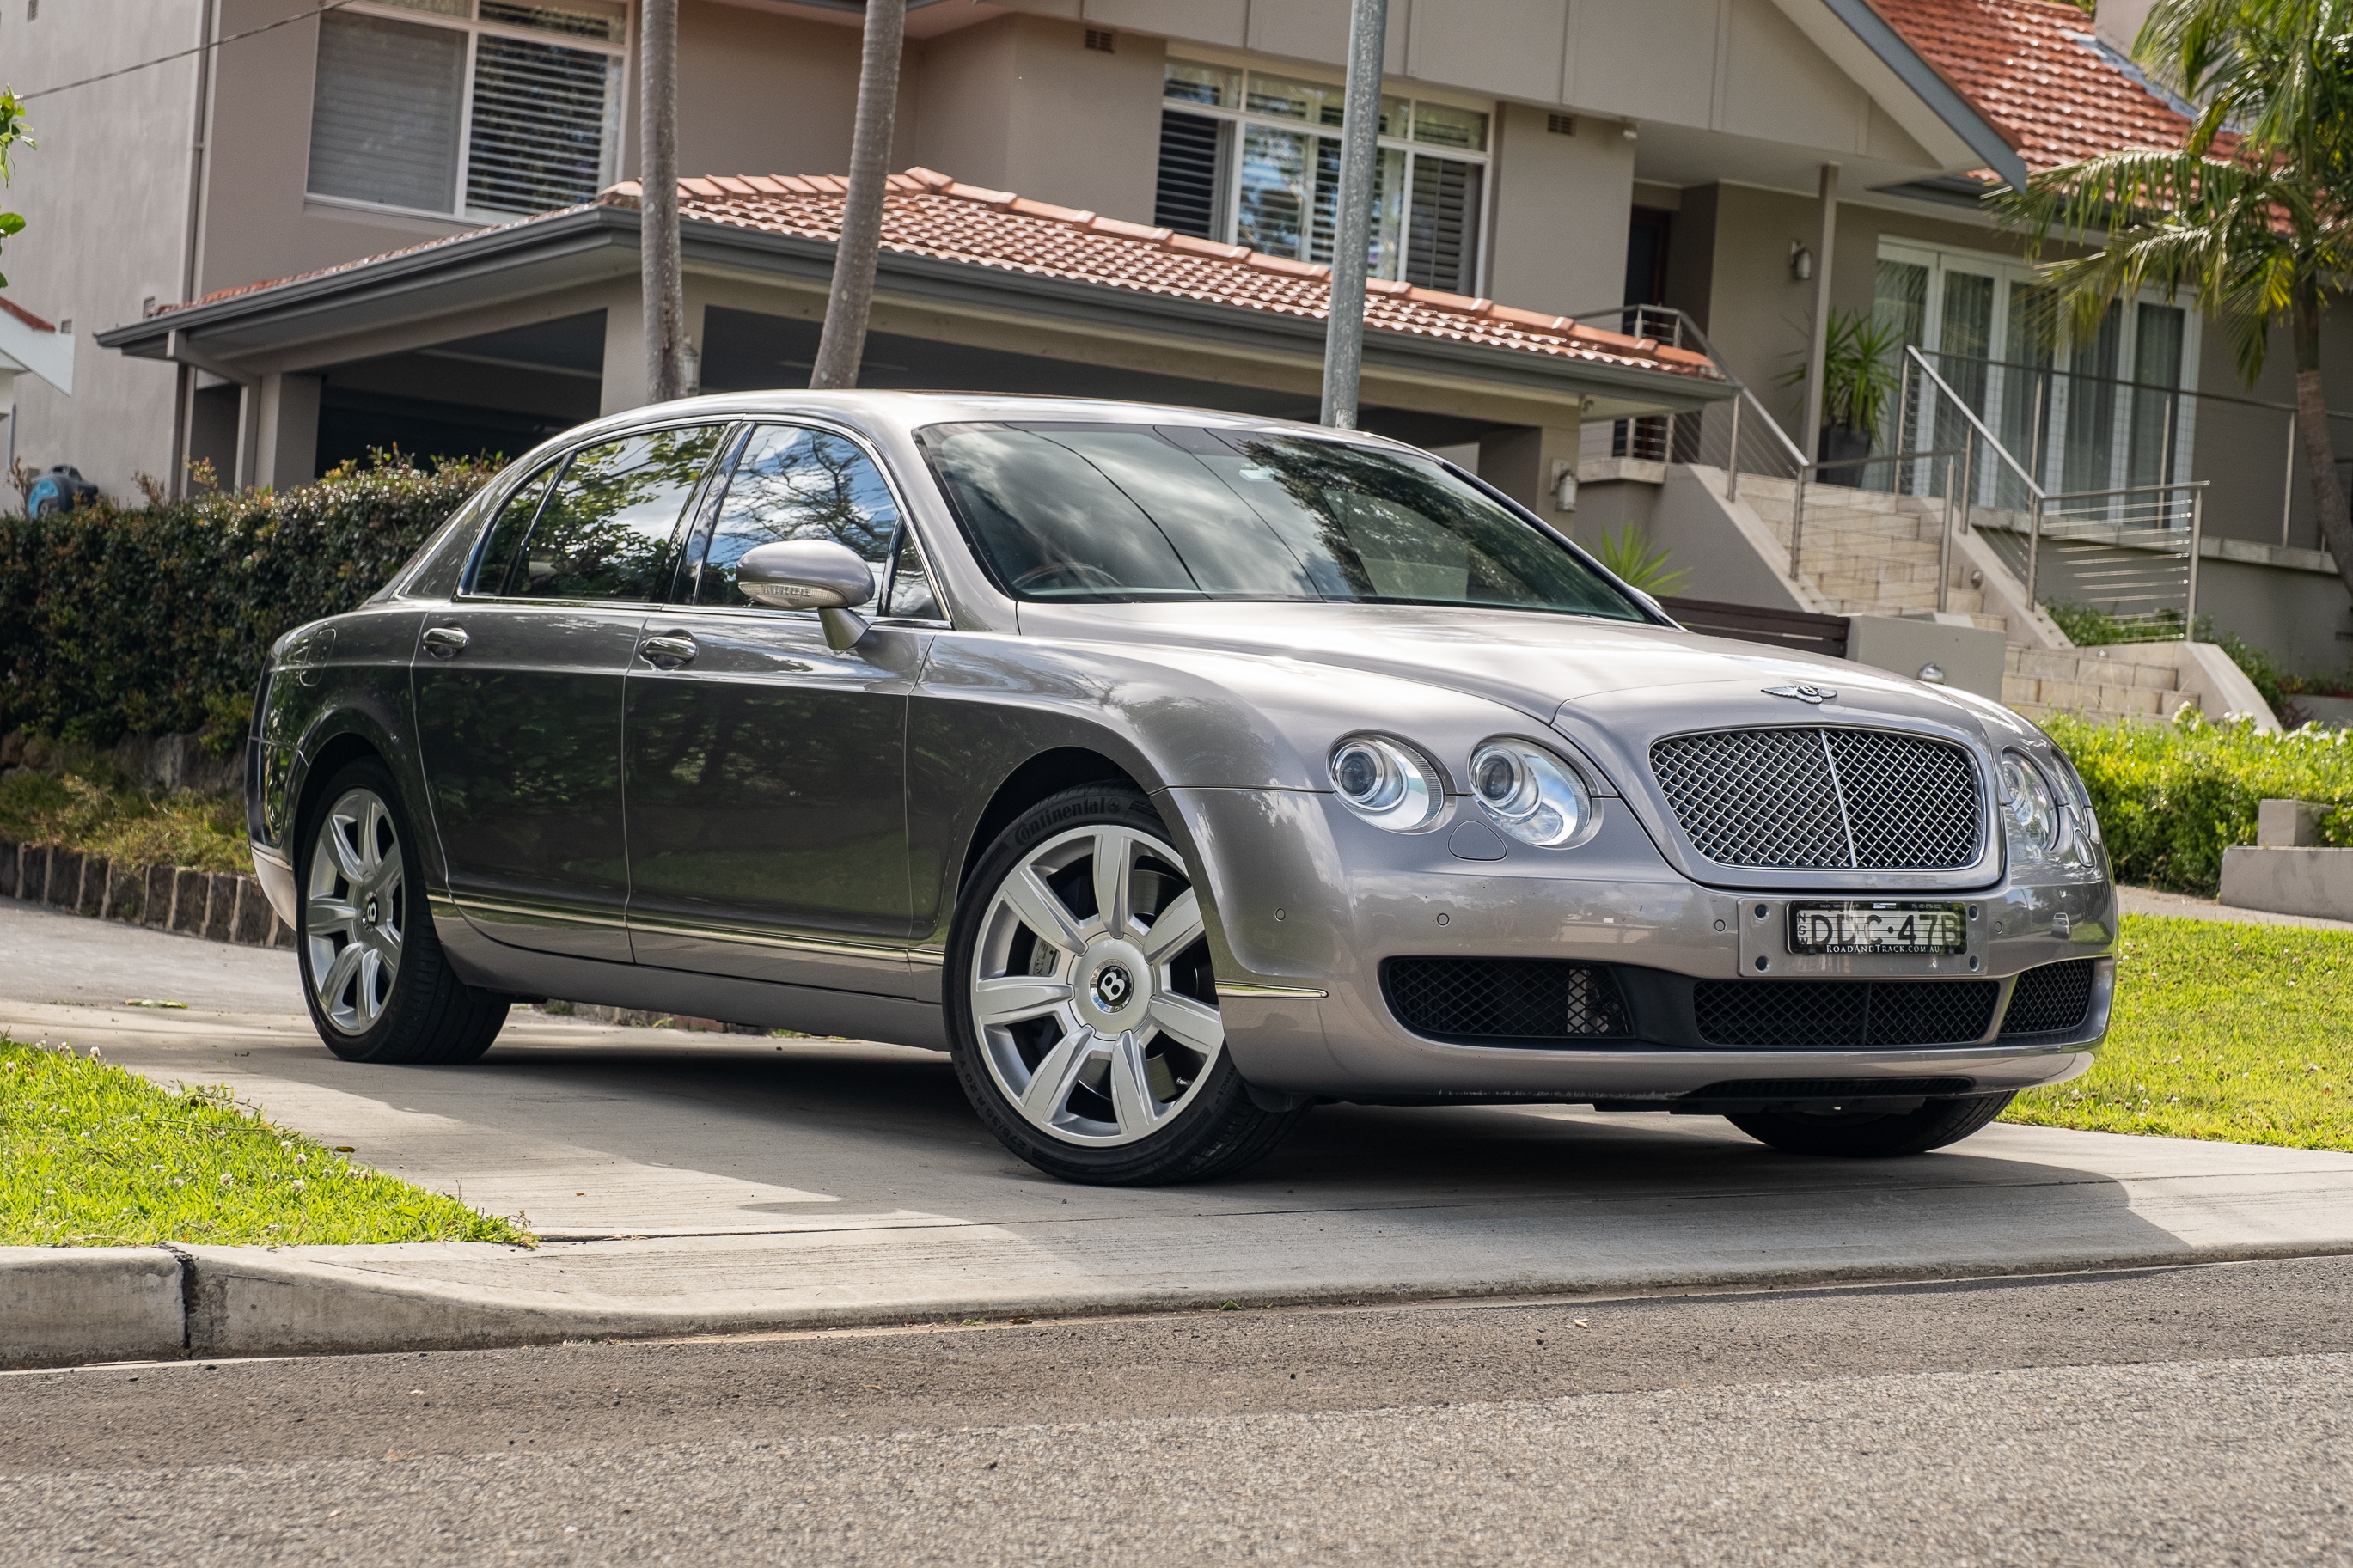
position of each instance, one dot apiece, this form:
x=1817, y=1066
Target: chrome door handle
x=668, y=652
x=444, y=642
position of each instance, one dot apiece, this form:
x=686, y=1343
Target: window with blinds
x=479, y=109
x=1252, y=158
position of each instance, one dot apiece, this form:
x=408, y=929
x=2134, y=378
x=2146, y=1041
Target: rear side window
x=603, y=529
x=509, y=529
x=797, y=483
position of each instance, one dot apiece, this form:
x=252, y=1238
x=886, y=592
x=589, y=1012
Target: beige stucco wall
x=1560, y=212
x=1022, y=104
x=104, y=232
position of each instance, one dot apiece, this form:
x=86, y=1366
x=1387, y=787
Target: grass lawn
x=93, y=1155
x=2240, y=1033
x=94, y=813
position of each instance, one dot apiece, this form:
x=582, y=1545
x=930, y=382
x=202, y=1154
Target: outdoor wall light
x=1566, y=492
x=1801, y=261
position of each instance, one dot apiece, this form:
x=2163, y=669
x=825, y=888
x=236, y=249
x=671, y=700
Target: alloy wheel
x=355, y=912
x=1091, y=991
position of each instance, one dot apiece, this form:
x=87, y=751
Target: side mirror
x=818, y=574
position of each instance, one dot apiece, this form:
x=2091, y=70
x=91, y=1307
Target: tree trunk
x=844, y=342
x=660, y=276
x=2312, y=431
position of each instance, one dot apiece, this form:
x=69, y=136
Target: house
x=412, y=221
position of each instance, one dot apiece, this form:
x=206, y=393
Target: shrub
x=2172, y=797
x=157, y=618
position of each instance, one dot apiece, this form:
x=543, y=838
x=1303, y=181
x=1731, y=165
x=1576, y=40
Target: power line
x=184, y=54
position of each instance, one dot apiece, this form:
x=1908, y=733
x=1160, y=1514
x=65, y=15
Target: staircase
x=1873, y=552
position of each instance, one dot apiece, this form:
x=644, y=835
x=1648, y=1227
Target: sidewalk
x=699, y=1183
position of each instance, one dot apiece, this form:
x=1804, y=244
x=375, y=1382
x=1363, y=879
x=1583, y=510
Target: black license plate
x=1874, y=926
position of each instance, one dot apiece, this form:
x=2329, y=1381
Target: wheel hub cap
x=1120, y=989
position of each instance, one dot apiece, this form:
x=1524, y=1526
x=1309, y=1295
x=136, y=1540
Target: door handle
x=444, y=642
x=668, y=652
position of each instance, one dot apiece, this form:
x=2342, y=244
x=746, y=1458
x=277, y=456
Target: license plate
x=1874, y=927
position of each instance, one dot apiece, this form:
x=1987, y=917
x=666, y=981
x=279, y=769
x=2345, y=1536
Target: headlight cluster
x=2046, y=812
x=1523, y=790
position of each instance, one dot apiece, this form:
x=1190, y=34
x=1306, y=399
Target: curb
x=219, y=906
x=65, y=1308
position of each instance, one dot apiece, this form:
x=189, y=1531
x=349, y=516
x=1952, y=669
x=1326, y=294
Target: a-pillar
x=282, y=437
x=1526, y=464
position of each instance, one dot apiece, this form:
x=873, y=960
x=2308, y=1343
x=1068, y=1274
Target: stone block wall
x=223, y=905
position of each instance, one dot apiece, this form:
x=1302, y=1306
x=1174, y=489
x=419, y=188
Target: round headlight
x=2033, y=808
x=1528, y=793
x=1386, y=783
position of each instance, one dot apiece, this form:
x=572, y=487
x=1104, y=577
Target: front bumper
x=1310, y=903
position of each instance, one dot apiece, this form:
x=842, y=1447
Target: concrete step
x=2093, y=666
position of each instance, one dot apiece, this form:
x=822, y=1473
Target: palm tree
x=843, y=342
x=2254, y=210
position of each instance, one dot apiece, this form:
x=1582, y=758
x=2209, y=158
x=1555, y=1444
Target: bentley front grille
x=1843, y=1015
x=1812, y=798
x=1524, y=1000
x=2050, y=1000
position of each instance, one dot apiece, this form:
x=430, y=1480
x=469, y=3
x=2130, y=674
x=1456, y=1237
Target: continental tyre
x=1083, y=1011
x=1870, y=1135
x=378, y=983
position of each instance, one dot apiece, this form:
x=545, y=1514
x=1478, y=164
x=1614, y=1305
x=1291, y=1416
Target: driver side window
x=797, y=483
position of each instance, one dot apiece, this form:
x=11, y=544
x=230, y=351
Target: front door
x=519, y=690
x=766, y=771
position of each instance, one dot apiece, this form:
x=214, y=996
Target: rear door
x=766, y=771
x=519, y=689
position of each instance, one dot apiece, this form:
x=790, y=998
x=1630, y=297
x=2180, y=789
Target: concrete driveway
x=696, y=1182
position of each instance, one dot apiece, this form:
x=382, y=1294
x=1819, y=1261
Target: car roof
x=914, y=410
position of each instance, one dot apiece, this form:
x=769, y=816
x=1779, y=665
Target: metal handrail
x=1913, y=352
x=1684, y=325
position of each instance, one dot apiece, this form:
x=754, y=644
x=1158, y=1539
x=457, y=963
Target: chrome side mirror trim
x=819, y=575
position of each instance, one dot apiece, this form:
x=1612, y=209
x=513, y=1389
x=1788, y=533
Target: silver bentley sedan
x=1174, y=772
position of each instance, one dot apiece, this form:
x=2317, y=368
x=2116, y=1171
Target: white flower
x=226, y=1180
x=298, y=1187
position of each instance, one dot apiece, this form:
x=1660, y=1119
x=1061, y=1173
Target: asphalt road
x=2195, y=1416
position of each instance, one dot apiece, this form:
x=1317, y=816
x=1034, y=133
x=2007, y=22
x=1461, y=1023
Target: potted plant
x=1859, y=377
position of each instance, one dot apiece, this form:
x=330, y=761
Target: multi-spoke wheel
x=352, y=913
x=372, y=972
x=1087, y=1031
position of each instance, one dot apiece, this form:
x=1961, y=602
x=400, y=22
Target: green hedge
x=2171, y=798
x=155, y=619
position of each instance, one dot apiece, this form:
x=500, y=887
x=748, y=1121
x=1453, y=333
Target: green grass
x=92, y=1155
x=2238, y=1033
x=93, y=812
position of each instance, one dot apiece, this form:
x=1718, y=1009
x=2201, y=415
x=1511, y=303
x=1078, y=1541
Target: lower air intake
x=2050, y=1000
x=1519, y=1000
x=1844, y=1014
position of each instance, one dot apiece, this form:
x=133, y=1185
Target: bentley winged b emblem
x=1816, y=695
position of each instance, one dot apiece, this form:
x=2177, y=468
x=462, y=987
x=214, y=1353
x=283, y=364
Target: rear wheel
x=378, y=985
x=1083, y=1013
x=1873, y=1135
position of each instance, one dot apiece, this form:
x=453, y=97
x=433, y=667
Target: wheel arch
x=1048, y=773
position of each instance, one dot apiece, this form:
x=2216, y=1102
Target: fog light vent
x=1521, y=1000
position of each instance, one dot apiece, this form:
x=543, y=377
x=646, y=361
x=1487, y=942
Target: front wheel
x=1083, y=1011
x=379, y=987
x=1870, y=1134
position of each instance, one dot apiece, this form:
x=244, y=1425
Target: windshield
x=1145, y=512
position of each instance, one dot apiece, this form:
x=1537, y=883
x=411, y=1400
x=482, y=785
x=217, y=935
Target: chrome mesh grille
x=1806, y=798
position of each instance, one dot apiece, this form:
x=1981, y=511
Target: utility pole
x=662, y=276
x=1344, y=327
x=843, y=344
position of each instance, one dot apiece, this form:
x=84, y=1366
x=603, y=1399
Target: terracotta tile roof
x=928, y=213
x=931, y=215
x=2028, y=65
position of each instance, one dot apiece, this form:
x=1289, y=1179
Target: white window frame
x=475, y=29
x=2009, y=273
x=1229, y=192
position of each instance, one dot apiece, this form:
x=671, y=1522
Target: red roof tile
x=930, y=215
x=24, y=316
x=2028, y=65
